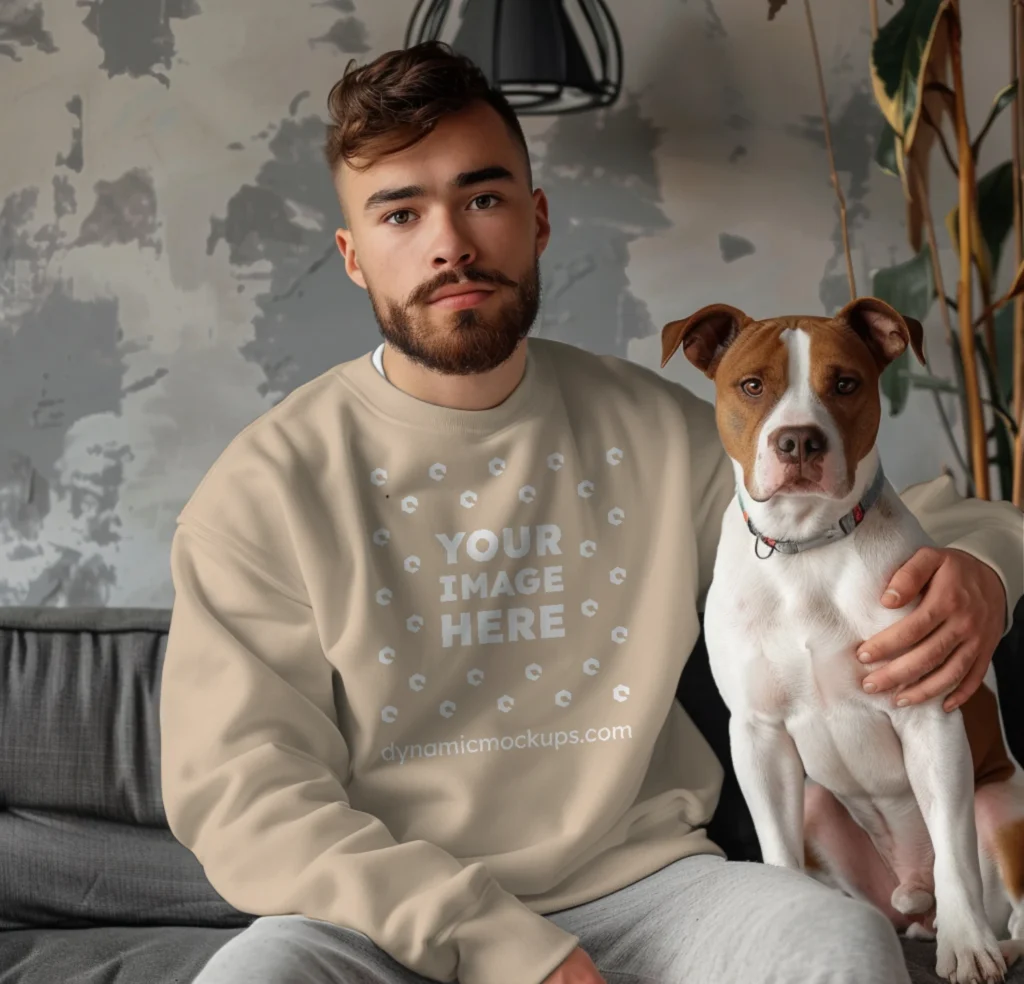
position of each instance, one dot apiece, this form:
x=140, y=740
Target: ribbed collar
x=529, y=399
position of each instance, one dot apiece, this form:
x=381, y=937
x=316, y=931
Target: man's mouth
x=462, y=299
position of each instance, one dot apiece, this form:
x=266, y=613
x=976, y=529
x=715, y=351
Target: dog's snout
x=799, y=444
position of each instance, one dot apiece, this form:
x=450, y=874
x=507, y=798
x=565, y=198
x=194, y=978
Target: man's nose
x=797, y=445
x=452, y=247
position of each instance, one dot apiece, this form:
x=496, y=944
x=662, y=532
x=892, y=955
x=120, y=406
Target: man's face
x=452, y=213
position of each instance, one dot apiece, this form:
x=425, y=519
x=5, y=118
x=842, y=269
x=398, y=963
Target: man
x=431, y=611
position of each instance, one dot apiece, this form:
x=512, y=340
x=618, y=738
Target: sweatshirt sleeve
x=712, y=480
x=253, y=769
x=991, y=531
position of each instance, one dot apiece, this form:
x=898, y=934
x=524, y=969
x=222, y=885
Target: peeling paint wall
x=168, y=271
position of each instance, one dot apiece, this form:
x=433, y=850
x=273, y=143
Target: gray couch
x=94, y=889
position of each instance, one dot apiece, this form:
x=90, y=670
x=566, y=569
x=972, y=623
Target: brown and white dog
x=917, y=810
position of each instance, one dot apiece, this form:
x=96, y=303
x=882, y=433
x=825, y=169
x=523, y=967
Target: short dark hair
x=397, y=99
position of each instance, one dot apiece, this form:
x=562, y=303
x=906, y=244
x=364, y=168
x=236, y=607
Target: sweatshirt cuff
x=503, y=941
x=996, y=549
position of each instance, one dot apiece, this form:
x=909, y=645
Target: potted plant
x=918, y=82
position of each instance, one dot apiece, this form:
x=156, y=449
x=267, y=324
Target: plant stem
x=976, y=419
x=946, y=92
x=1002, y=421
x=998, y=408
x=946, y=152
x=937, y=270
x=951, y=437
x=989, y=312
x=1016, y=46
x=940, y=286
x=945, y=386
x=831, y=154
x=988, y=320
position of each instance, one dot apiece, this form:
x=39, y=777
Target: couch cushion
x=113, y=955
x=79, y=711
x=57, y=869
x=84, y=841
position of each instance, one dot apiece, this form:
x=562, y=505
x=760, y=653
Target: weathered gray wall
x=167, y=268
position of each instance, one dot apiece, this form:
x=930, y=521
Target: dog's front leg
x=937, y=758
x=771, y=778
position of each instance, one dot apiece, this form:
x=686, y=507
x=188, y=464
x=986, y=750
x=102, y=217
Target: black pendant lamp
x=547, y=56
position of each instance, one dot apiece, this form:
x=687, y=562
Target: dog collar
x=846, y=525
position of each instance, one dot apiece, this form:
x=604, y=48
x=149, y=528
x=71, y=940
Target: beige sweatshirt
x=422, y=662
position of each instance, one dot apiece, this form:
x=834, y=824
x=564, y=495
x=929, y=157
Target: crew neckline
x=378, y=360
x=528, y=399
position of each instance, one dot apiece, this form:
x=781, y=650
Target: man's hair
x=398, y=98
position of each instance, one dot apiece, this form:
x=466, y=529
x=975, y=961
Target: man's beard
x=469, y=342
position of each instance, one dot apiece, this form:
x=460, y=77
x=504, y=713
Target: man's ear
x=885, y=331
x=540, y=204
x=704, y=336
x=346, y=246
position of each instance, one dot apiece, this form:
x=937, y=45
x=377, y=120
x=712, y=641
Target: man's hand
x=949, y=638
x=577, y=968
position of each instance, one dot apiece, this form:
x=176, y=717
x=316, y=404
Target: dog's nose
x=800, y=443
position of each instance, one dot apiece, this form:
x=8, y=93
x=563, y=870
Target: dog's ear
x=704, y=336
x=885, y=331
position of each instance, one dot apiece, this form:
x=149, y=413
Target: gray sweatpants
x=700, y=920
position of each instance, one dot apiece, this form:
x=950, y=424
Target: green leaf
x=919, y=381
x=910, y=288
x=995, y=219
x=900, y=57
x=885, y=152
x=1003, y=99
x=896, y=382
x=995, y=209
x=1004, y=351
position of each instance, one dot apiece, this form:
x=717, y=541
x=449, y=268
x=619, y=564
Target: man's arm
x=993, y=532
x=969, y=584
x=253, y=764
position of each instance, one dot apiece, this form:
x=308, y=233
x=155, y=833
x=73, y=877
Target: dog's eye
x=845, y=385
x=752, y=387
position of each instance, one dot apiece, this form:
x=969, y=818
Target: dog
x=916, y=810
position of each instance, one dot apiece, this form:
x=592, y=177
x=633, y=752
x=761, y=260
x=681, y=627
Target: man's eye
x=479, y=197
x=395, y=215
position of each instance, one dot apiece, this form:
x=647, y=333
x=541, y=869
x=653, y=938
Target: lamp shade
x=546, y=56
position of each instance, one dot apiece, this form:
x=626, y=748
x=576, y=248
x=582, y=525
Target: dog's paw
x=1012, y=951
x=912, y=901
x=969, y=955
x=918, y=931
x=1017, y=922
